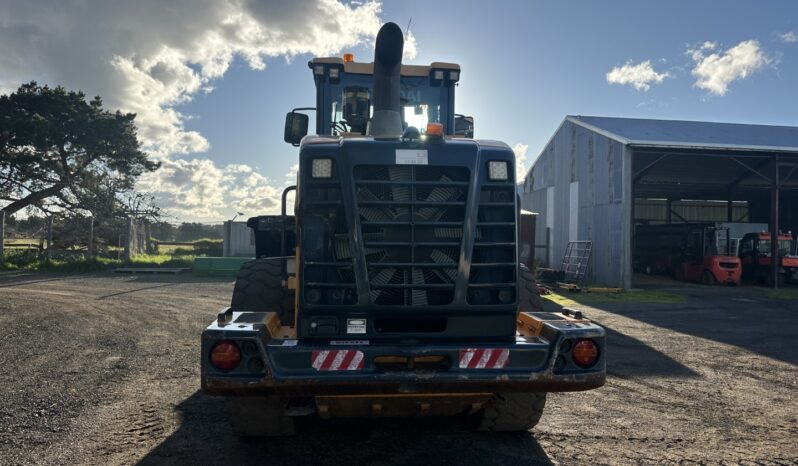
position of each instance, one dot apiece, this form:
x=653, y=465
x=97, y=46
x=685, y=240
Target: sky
x=211, y=80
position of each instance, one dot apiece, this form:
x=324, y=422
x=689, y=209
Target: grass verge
x=782, y=293
x=81, y=264
x=565, y=298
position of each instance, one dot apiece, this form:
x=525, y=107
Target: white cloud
x=789, y=37
x=200, y=190
x=520, y=161
x=639, y=76
x=411, y=48
x=715, y=70
x=149, y=56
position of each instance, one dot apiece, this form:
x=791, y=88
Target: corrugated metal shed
x=692, y=134
x=577, y=186
x=598, y=176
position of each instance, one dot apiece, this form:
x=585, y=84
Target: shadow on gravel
x=185, y=277
x=204, y=437
x=744, y=317
x=32, y=278
x=119, y=293
x=627, y=356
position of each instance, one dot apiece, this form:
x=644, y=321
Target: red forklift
x=695, y=252
x=755, y=257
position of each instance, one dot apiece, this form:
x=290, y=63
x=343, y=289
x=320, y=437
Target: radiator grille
x=493, y=266
x=411, y=219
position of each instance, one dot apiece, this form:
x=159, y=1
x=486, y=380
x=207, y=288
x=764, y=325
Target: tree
x=58, y=150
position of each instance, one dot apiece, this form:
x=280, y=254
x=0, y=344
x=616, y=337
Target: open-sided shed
x=587, y=179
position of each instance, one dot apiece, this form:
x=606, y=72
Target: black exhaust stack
x=386, y=123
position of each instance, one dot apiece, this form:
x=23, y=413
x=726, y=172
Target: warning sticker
x=355, y=325
x=411, y=157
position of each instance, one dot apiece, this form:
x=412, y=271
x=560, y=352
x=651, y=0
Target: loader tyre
x=259, y=287
x=528, y=293
x=259, y=416
x=512, y=412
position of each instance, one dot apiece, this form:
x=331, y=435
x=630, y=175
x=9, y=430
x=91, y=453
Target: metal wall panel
x=656, y=211
x=576, y=154
x=239, y=240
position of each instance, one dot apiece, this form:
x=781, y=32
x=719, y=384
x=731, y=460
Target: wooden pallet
x=172, y=270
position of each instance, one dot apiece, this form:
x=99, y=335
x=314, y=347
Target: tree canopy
x=59, y=151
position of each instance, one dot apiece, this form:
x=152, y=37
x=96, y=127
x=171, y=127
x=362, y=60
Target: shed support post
x=629, y=214
x=775, y=263
x=668, y=211
x=729, y=208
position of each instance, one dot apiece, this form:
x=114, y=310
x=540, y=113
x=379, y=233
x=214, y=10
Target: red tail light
x=225, y=355
x=585, y=353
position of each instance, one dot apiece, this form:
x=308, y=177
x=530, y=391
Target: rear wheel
x=511, y=412
x=707, y=278
x=259, y=287
x=528, y=293
x=259, y=416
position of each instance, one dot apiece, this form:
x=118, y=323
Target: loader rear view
x=395, y=289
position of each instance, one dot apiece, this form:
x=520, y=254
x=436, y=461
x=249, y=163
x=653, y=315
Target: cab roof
x=368, y=68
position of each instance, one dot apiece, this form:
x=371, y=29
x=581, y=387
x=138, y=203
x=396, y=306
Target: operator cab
x=344, y=99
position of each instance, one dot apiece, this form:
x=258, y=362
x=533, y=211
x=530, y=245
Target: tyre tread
x=259, y=287
x=512, y=412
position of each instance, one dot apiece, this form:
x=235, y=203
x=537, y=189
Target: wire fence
x=27, y=240
x=53, y=237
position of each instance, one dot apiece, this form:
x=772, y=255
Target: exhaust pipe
x=386, y=123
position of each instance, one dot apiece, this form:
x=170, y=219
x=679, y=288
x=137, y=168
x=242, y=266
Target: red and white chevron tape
x=484, y=358
x=337, y=360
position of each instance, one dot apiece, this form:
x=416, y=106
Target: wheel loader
x=401, y=284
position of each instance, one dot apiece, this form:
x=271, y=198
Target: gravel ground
x=104, y=370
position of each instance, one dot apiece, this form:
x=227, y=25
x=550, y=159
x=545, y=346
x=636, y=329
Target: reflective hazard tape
x=484, y=358
x=337, y=360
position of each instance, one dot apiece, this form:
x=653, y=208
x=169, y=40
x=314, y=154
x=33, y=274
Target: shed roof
x=692, y=134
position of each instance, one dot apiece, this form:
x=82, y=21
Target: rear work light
x=225, y=355
x=585, y=353
x=321, y=168
x=497, y=170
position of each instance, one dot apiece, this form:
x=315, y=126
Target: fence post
x=148, y=238
x=2, y=237
x=49, y=238
x=90, y=248
x=128, y=238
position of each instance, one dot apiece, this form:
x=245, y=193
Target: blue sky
x=216, y=117
x=528, y=64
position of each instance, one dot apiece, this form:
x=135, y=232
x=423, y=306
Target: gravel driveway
x=104, y=370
